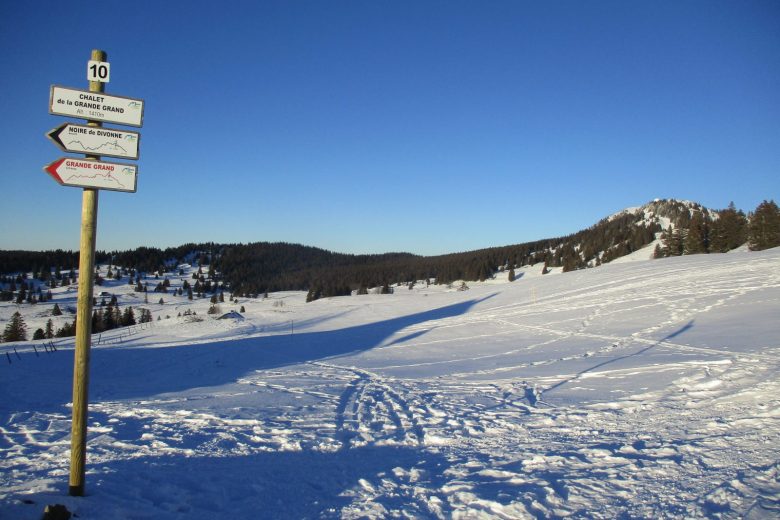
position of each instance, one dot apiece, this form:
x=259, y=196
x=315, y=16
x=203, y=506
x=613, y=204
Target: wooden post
x=89, y=209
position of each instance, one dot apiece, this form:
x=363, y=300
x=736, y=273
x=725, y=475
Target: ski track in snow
x=610, y=395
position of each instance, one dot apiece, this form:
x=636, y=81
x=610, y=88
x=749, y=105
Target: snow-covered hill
x=666, y=211
x=647, y=389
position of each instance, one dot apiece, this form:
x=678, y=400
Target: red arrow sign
x=94, y=174
x=52, y=170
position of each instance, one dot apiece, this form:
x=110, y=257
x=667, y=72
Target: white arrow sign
x=96, y=106
x=94, y=174
x=96, y=141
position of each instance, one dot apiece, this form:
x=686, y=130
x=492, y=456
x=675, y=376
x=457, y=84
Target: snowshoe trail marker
x=92, y=174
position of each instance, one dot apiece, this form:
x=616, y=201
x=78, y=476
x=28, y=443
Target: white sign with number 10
x=98, y=71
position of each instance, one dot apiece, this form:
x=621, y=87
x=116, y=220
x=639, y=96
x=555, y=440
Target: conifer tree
x=109, y=318
x=67, y=330
x=49, y=332
x=16, y=330
x=764, y=227
x=569, y=258
x=128, y=317
x=315, y=293
x=674, y=242
x=97, y=321
x=696, y=240
x=728, y=231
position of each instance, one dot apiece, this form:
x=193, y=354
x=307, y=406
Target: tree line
x=699, y=232
x=258, y=268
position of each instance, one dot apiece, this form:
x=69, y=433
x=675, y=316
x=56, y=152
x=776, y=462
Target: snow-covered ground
x=648, y=389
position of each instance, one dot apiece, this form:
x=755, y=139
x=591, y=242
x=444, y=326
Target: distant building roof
x=231, y=315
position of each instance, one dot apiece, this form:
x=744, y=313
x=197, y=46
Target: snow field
x=642, y=389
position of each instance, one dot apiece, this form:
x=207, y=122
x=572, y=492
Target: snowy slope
x=646, y=389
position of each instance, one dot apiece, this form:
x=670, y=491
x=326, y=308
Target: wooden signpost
x=91, y=174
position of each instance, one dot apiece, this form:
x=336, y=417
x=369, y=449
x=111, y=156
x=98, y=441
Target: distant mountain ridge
x=256, y=268
x=671, y=210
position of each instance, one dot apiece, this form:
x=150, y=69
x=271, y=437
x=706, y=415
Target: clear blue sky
x=420, y=126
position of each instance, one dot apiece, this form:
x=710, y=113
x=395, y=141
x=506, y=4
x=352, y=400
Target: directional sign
x=96, y=106
x=94, y=174
x=96, y=141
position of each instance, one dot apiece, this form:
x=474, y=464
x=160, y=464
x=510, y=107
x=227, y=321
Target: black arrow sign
x=93, y=140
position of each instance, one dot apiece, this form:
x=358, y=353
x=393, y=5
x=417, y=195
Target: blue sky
x=366, y=127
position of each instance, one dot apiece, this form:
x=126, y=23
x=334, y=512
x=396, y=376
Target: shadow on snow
x=126, y=373
x=610, y=361
x=284, y=484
